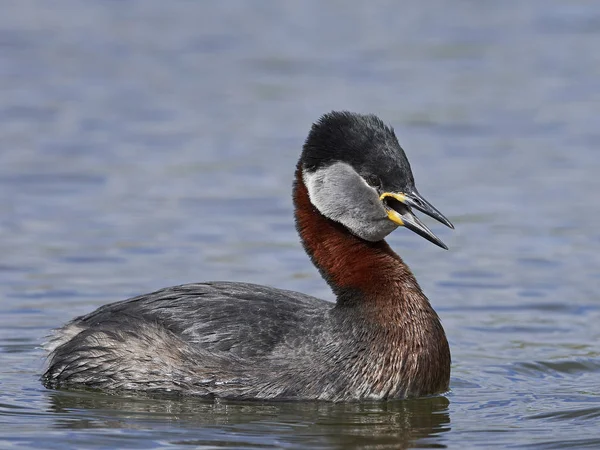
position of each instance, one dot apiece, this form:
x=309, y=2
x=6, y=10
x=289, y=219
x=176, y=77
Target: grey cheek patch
x=342, y=195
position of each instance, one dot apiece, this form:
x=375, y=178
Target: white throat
x=342, y=195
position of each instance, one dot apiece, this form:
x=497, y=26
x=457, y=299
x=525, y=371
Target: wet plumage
x=382, y=339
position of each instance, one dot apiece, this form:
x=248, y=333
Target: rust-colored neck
x=354, y=268
x=374, y=287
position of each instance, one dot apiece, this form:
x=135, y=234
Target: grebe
x=380, y=340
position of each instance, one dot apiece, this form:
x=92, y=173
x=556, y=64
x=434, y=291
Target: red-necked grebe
x=380, y=340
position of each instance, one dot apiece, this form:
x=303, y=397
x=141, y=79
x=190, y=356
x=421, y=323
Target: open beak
x=398, y=206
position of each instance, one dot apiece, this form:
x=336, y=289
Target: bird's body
x=381, y=340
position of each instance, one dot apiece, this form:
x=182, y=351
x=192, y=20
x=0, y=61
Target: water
x=147, y=144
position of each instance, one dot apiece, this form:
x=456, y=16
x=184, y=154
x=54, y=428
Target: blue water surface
x=150, y=143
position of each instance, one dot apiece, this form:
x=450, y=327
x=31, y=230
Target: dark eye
x=373, y=181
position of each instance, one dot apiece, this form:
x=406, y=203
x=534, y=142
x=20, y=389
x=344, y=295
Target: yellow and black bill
x=398, y=206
